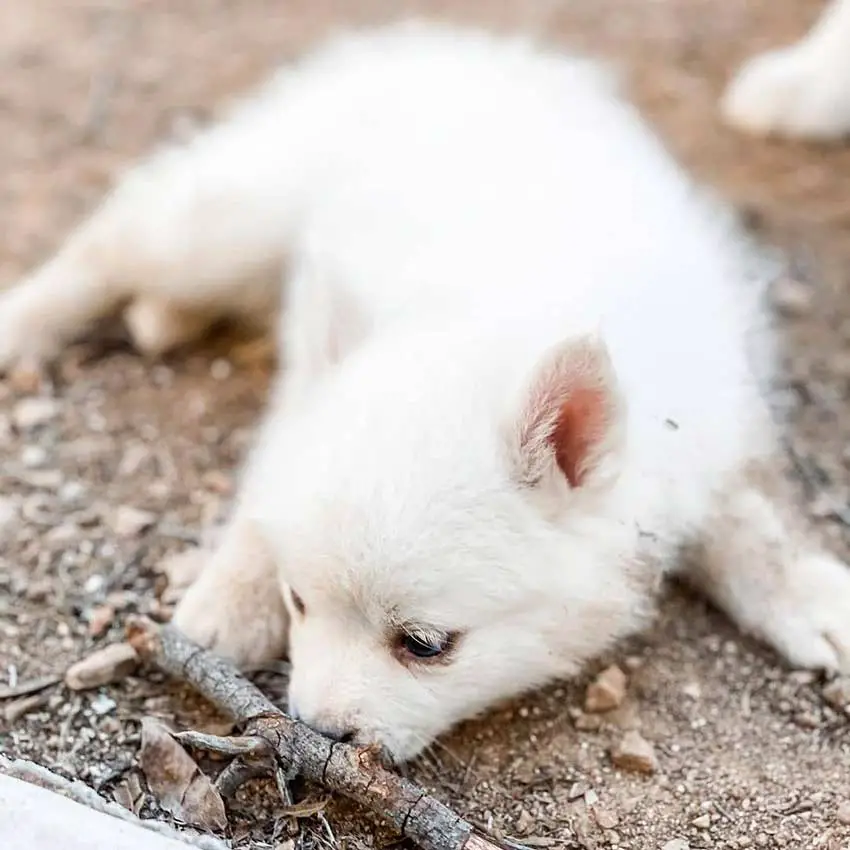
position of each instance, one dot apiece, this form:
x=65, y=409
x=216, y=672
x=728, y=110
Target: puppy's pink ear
x=571, y=419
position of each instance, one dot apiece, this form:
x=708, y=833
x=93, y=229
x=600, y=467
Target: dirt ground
x=85, y=87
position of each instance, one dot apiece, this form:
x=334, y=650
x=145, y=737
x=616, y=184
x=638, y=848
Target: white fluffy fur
x=480, y=242
x=800, y=91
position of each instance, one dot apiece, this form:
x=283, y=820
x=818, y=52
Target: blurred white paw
x=809, y=620
x=25, y=334
x=798, y=92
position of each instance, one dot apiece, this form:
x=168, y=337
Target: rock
x=135, y=457
x=29, y=413
x=837, y=692
x=39, y=590
x=26, y=378
x=692, y=690
x=577, y=789
x=8, y=511
x=607, y=691
x=702, y=822
x=792, y=298
x=634, y=753
x=127, y=521
x=100, y=619
x=677, y=844
x=102, y=704
x=524, y=822
x=110, y=664
x=842, y=815
x=606, y=818
x=34, y=456
x=94, y=584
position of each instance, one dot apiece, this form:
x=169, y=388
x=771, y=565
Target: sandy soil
x=84, y=88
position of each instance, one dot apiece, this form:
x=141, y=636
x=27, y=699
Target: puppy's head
x=441, y=524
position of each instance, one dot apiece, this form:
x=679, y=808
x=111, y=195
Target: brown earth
x=85, y=88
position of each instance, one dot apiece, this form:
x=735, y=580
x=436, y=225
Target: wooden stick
x=356, y=772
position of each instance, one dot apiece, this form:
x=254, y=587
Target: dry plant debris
x=291, y=748
x=177, y=782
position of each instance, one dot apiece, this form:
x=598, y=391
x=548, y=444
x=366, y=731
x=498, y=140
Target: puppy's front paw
x=809, y=620
x=795, y=92
x=242, y=620
x=25, y=336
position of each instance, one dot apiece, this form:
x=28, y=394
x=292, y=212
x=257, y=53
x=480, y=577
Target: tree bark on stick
x=357, y=773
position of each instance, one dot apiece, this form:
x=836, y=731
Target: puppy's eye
x=298, y=603
x=425, y=646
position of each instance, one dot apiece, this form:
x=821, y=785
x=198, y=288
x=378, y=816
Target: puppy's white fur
x=800, y=91
x=518, y=377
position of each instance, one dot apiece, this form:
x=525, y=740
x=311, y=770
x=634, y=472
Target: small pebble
x=524, y=822
x=702, y=822
x=677, y=844
x=843, y=814
x=134, y=458
x=634, y=753
x=39, y=590
x=606, y=818
x=94, y=584
x=692, y=690
x=26, y=378
x=128, y=521
x=607, y=691
x=110, y=664
x=837, y=692
x=100, y=619
x=102, y=704
x=577, y=789
x=8, y=511
x=34, y=456
x=29, y=413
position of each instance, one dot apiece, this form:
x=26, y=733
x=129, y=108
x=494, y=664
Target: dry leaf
x=177, y=782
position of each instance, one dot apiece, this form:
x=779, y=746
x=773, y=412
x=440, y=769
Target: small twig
x=236, y=774
x=22, y=689
x=356, y=772
x=35, y=774
x=233, y=746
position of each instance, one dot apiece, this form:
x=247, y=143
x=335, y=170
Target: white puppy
x=801, y=91
x=517, y=380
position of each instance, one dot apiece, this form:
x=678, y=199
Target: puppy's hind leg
x=195, y=233
x=800, y=91
x=759, y=561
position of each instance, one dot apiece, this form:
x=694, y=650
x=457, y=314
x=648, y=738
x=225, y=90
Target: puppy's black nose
x=341, y=736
